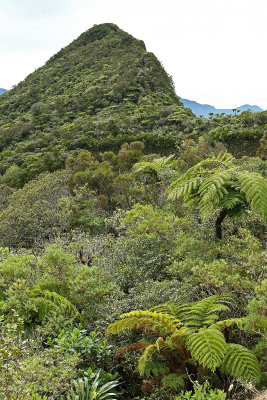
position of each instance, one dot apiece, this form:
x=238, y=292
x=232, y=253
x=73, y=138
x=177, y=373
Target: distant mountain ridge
x=204, y=109
x=2, y=91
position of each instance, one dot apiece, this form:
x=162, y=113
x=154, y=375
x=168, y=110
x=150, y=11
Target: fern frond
x=155, y=368
x=231, y=200
x=197, y=314
x=47, y=302
x=184, y=189
x=145, y=357
x=173, y=381
x=254, y=187
x=241, y=363
x=208, y=347
x=211, y=191
x=157, y=164
x=221, y=325
x=146, y=320
x=205, y=312
x=160, y=347
x=177, y=339
x=226, y=159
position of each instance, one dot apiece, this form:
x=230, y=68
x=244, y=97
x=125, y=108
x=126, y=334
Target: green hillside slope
x=102, y=90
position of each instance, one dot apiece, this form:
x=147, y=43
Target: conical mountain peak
x=100, y=91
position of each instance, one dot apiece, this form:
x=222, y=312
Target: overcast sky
x=215, y=50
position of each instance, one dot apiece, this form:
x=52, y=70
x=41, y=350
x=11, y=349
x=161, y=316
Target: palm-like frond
x=226, y=323
x=199, y=313
x=174, y=381
x=208, y=347
x=145, y=320
x=217, y=183
x=254, y=187
x=157, y=164
x=47, y=302
x=241, y=363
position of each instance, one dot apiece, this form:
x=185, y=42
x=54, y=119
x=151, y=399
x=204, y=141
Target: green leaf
x=208, y=347
x=241, y=363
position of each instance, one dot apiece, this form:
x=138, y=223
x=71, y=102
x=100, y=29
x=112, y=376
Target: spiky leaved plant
x=218, y=184
x=188, y=336
x=84, y=390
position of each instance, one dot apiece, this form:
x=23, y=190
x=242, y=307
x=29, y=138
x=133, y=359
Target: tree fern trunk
x=218, y=223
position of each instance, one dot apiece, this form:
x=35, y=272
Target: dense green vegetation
x=132, y=235
x=101, y=91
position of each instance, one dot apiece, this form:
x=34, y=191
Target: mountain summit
x=2, y=91
x=102, y=90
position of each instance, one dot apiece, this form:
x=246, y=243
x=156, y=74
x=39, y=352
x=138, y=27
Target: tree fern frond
x=226, y=159
x=173, y=381
x=199, y=313
x=156, y=164
x=208, y=347
x=231, y=200
x=205, y=311
x=239, y=322
x=178, y=338
x=155, y=368
x=241, y=363
x=211, y=191
x=145, y=357
x=145, y=320
x=184, y=189
x=254, y=187
x=47, y=302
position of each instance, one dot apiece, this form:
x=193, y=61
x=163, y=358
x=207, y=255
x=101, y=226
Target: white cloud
x=214, y=49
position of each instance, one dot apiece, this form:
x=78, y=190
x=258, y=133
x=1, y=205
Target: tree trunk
x=218, y=223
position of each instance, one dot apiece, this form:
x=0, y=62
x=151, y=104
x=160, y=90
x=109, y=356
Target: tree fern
x=241, y=363
x=189, y=332
x=217, y=184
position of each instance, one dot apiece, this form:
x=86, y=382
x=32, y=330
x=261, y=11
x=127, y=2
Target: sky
x=215, y=50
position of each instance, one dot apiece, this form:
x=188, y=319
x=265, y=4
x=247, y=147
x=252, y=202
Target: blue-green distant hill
x=204, y=109
x=2, y=91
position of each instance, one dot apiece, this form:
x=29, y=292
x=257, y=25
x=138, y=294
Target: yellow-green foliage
x=188, y=331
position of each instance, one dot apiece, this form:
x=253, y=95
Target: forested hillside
x=132, y=235
x=101, y=91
